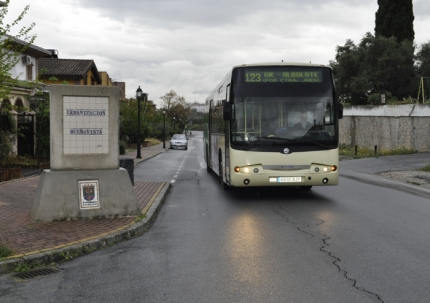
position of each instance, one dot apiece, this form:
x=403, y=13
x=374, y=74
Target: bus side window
x=218, y=120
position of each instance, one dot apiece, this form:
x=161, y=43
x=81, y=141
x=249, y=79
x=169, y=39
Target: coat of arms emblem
x=88, y=192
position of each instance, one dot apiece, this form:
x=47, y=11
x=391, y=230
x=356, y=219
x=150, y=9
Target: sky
x=189, y=45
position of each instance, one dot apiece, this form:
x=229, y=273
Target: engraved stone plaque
x=85, y=125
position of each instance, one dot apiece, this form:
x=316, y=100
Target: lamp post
x=138, y=96
x=164, y=127
x=174, y=132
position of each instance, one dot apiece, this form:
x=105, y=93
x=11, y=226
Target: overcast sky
x=189, y=45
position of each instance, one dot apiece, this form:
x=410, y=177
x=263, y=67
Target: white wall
x=20, y=70
x=388, y=127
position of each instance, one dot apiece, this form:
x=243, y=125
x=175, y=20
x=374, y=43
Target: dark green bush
x=122, y=147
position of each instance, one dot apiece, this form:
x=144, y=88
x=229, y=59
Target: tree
x=395, y=18
x=7, y=129
x=197, y=118
x=42, y=132
x=180, y=111
x=346, y=69
x=377, y=65
x=388, y=65
x=423, y=60
x=177, y=108
x=128, y=116
x=11, y=47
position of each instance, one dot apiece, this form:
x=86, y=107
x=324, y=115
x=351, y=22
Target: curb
x=383, y=182
x=147, y=158
x=87, y=246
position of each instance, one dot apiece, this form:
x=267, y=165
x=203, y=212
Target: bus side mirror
x=226, y=112
x=340, y=111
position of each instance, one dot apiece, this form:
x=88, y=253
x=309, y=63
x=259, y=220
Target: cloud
x=189, y=46
x=421, y=9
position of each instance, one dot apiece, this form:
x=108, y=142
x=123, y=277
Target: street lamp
x=164, y=127
x=174, y=125
x=138, y=97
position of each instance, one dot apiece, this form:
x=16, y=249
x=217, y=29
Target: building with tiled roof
x=198, y=107
x=73, y=71
x=17, y=99
x=38, y=65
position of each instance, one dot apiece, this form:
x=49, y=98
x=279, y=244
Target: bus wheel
x=223, y=184
x=220, y=172
x=307, y=187
x=208, y=168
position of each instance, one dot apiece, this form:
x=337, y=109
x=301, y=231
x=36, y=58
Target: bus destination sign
x=283, y=76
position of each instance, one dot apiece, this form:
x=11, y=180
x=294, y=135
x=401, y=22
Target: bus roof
x=281, y=64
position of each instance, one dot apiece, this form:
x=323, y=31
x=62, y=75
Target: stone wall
x=387, y=127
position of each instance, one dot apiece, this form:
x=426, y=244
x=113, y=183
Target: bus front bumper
x=278, y=178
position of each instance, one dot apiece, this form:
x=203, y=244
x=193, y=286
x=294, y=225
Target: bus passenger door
x=209, y=143
x=227, y=141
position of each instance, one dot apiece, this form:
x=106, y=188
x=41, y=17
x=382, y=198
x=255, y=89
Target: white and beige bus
x=274, y=124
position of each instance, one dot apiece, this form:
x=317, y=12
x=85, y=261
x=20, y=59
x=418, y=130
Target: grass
x=425, y=168
x=153, y=141
x=18, y=161
x=350, y=151
x=5, y=251
x=22, y=267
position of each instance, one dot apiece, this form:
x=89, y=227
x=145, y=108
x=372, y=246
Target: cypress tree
x=395, y=18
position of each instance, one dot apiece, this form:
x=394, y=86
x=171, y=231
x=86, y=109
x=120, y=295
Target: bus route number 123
x=253, y=77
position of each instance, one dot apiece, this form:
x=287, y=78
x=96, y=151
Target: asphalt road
x=366, y=240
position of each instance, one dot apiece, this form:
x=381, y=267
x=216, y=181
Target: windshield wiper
x=276, y=138
x=251, y=143
x=319, y=144
x=258, y=139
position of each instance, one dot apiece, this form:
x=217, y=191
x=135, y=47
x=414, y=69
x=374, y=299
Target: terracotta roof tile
x=68, y=67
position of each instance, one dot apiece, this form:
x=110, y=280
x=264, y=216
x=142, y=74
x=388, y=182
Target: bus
x=274, y=124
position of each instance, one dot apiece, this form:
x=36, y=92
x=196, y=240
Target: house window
x=19, y=106
x=30, y=72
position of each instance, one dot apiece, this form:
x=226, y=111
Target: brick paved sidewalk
x=24, y=237
x=19, y=233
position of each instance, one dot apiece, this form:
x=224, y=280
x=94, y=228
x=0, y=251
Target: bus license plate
x=289, y=179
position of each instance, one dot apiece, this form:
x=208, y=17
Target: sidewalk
x=47, y=242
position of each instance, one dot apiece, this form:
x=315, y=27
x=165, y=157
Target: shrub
x=122, y=147
x=5, y=251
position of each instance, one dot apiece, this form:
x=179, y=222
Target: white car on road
x=179, y=141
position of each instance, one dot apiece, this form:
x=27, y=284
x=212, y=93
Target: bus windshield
x=283, y=106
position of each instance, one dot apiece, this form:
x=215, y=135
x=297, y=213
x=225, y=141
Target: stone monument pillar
x=85, y=180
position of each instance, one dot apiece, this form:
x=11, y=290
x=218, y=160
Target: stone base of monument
x=65, y=195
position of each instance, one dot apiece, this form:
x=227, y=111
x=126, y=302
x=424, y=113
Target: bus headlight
x=256, y=169
x=321, y=168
